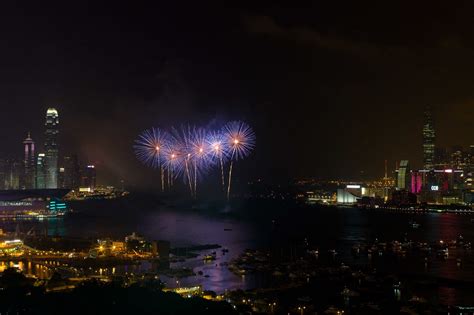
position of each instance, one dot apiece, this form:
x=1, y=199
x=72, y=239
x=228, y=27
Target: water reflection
x=282, y=232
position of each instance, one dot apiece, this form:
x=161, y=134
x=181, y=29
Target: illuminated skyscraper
x=51, y=148
x=28, y=178
x=70, y=171
x=11, y=174
x=89, y=177
x=428, y=140
x=404, y=176
x=41, y=171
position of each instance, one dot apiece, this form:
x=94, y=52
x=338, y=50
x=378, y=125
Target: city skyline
x=416, y=159
x=341, y=88
x=214, y=158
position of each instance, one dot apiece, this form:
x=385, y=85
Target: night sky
x=332, y=90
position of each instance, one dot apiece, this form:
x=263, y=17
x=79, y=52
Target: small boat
x=414, y=224
x=227, y=229
x=443, y=253
x=209, y=258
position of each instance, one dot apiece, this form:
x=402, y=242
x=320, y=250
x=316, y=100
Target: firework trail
x=240, y=140
x=149, y=147
x=191, y=152
x=218, y=150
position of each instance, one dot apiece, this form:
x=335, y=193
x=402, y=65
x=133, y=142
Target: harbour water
x=270, y=225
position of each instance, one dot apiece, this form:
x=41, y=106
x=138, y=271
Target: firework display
x=191, y=152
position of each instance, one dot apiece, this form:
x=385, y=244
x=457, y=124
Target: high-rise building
x=28, y=178
x=51, y=147
x=404, y=176
x=89, y=178
x=41, y=171
x=70, y=172
x=442, y=158
x=12, y=169
x=428, y=140
x=458, y=158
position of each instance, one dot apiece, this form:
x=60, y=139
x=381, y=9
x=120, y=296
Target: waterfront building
x=320, y=197
x=28, y=176
x=428, y=140
x=404, y=176
x=32, y=203
x=416, y=182
x=41, y=171
x=51, y=147
x=70, y=175
x=403, y=198
x=442, y=158
x=11, y=174
x=89, y=178
x=347, y=196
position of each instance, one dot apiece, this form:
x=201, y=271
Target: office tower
x=428, y=140
x=442, y=158
x=2, y=174
x=89, y=177
x=471, y=157
x=404, y=176
x=458, y=157
x=41, y=171
x=71, y=177
x=51, y=147
x=12, y=174
x=28, y=178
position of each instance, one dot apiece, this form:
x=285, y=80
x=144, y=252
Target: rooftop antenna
x=386, y=169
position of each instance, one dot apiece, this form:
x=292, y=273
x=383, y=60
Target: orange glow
x=236, y=141
x=157, y=148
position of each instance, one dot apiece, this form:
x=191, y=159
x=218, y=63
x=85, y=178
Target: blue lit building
x=32, y=203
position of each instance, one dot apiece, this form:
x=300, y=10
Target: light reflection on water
x=324, y=228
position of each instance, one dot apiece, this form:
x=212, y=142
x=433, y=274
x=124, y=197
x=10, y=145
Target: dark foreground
x=19, y=296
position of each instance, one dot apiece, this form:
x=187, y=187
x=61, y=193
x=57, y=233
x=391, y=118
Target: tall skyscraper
x=89, y=177
x=404, y=176
x=12, y=174
x=51, y=147
x=71, y=176
x=41, y=171
x=428, y=140
x=28, y=178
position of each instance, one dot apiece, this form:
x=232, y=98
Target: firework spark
x=240, y=140
x=149, y=148
x=190, y=152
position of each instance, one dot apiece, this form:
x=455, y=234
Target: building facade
x=51, y=147
x=70, y=172
x=41, y=171
x=28, y=178
x=9, y=174
x=429, y=137
x=89, y=177
x=404, y=176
